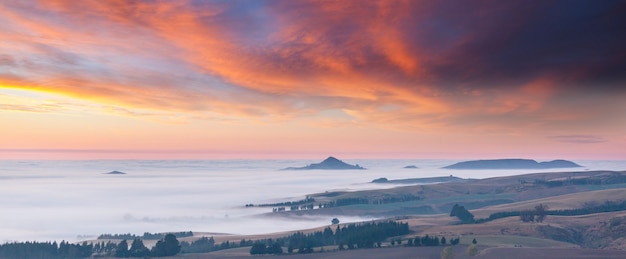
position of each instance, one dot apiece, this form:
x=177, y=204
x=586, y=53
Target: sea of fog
x=76, y=200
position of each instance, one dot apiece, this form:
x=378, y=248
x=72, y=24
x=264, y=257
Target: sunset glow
x=307, y=79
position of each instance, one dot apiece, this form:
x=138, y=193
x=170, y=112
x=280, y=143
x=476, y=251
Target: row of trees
x=309, y=202
x=352, y=236
x=145, y=236
x=448, y=252
x=607, y=206
x=539, y=214
x=613, y=178
x=45, y=250
x=262, y=248
x=306, y=200
x=430, y=241
x=167, y=246
x=205, y=245
x=270, y=246
x=394, y=199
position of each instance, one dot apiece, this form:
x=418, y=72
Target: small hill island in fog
x=329, y=163
x=512, y=164
x=115, y=172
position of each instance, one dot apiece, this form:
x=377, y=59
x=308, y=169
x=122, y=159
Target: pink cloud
x=402, y=64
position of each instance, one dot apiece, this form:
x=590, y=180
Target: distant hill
x=115, y=172
x=329, y=163
x=512, y=164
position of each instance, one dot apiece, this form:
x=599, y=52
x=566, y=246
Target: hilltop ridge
x=512, y=164
x=330, y=163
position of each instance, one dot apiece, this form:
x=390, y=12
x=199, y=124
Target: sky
x=307, y=79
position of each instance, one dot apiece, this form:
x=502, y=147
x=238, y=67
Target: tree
x=172, y=246
x=158, y=249
x=335, y=221
x=447, y=253
x=474, y=241
x=463, y=214
x=443, y=240
x=258, y=248
x=527, y=215
x=167, y=246
x=276, y=249
x=328, y=235
x=455, y=210
x=138, y=249
x=416, y=241
x=472, y=250
x=541, y=211
x=122, y=249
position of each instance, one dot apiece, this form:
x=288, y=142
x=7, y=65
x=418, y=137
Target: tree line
x=430, y=241
x=270, y=246
x=613, y=178
x=205, y=245
x=351, y=236
x=537, y=214
x=308, y=199
x=145, y=236
x=309, y=202
x=167, y=246
x=540, y=211
x=607, y=206
x=45, y=250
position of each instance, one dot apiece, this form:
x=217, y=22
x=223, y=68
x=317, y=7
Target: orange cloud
x=402, y=64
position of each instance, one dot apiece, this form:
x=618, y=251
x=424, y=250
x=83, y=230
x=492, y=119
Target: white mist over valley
x=77, y=200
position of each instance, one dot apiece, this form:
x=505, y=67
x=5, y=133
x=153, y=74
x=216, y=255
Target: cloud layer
x=484, y=66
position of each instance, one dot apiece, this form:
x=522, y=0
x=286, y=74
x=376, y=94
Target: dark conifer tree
x=138, y=249
x=258, y=248
x=122, y=249
x=276, y=248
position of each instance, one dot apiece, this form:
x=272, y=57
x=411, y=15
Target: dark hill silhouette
x=115, y=172
x=329, y=163
x=512, y=164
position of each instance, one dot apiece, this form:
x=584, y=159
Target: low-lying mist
x=76, y=200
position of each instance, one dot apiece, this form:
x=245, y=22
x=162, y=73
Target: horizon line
x=208, y=154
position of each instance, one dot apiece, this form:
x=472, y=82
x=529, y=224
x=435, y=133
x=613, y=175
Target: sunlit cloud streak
x=579, y=139
x=415, y=65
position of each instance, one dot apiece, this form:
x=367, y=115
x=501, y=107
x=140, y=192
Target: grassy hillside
x=426, y=209
x=475, y=194
x=558, y=202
